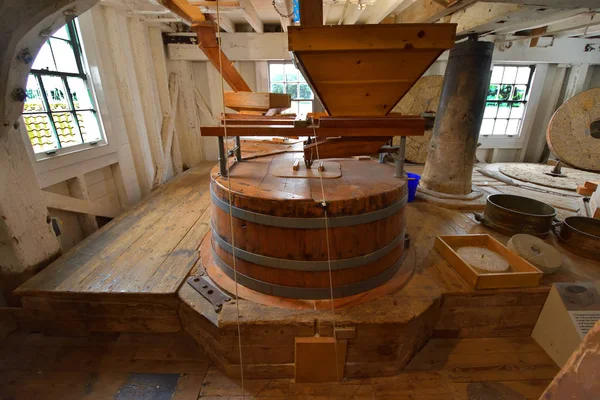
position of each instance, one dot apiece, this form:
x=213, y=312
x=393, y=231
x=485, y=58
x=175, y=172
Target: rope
x=324, y=204
x=237, y=305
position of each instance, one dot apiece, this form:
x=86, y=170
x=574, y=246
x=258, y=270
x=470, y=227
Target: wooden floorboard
x=100, y=367
x=150, y=249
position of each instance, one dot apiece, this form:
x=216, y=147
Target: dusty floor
x=162, y=367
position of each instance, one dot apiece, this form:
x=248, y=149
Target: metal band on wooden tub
x=311, y=293
x=310, y=266
x=307, y=223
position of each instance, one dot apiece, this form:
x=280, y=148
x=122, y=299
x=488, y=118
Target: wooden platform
x=129, y=277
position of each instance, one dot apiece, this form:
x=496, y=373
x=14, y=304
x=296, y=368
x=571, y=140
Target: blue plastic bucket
x=413, y=182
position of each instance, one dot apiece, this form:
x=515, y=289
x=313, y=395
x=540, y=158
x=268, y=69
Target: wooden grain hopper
x=364, y=70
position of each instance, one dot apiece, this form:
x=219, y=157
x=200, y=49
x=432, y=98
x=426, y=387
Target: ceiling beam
x=556, y=17
x=427, y=11
x=353, y=14
x=223, y=21
x=251, y=16
x=284, y=7
x=488, y=17
x=185, y=10
x=381, y=9
x=552, y=3
x=326, y=9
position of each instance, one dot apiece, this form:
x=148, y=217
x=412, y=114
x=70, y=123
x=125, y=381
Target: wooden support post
x=449, y=164
x=311, y=12
x=207, y=41
x=78, y=189
x=168, y=126
x=144, y=70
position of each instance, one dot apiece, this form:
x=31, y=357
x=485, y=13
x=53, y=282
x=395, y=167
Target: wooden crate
x=521, y=272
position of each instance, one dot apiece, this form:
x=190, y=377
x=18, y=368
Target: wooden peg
x=296, y=165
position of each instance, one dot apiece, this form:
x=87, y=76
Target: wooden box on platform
x=520, y=274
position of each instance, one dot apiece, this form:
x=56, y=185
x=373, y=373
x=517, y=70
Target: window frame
x=83, y=74
x=285, y=82
x=525, y=102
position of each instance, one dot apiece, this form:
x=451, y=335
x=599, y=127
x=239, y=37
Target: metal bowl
x=510, y=214
x=580, y=235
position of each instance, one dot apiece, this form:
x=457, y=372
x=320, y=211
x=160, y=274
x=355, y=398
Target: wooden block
x=361, y=158
x=296, y=165
x=253, y=101
x=584, y=190
x=592, y=185
x=315, y=359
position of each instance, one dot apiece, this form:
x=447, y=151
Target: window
x=60, y=111
x=284, y=77
x=506, y=100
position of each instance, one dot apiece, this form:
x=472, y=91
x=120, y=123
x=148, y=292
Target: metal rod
x=400, y=158
x=238, y=149
x=222, y=157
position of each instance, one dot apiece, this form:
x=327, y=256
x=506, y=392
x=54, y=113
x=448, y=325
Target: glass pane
x=500, y=127
x=89, y=126
x=510, y=74
x=503, y=110
x=44, y=59
x=62, y=33
x=519, y=92
x=276, y=72
x=304, y=107
x=305, y=92
x=40, y=133
x=523, y=75
x=291, y=73
x=34, y=101
x=67, y=130
x=505, y=92
x=487, y=127
x=513, y=127
x=292, y=90
x=277, y=88
x=64, y=56
x=490, y=110
x=56, y=93
x=80, y=93
x=497, y=74
x=517, y=110
x=493, y=92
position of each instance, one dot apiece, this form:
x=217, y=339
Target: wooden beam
x=255, y=101
x=185, y=10
x=60, y=202
x=78, y=189
x=224, y=22
x=415, y=129
x=352, y=16
x=207, y=41
x=382, y=9
x=311, y=12
x=285, y=7
x=168, y=125
x=427, y=11
x=251, y=16
x=353, y=37
x=223, y=5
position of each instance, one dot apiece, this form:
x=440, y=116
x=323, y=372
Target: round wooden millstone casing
x=568, y=133
x=284, y=245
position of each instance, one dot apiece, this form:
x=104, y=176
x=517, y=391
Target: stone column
x=452, y=147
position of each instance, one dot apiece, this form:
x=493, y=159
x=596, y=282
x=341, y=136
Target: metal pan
x=510, y=214
x=581, y=235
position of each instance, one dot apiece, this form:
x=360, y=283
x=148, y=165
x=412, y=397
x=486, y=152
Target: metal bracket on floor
x=209, y=291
